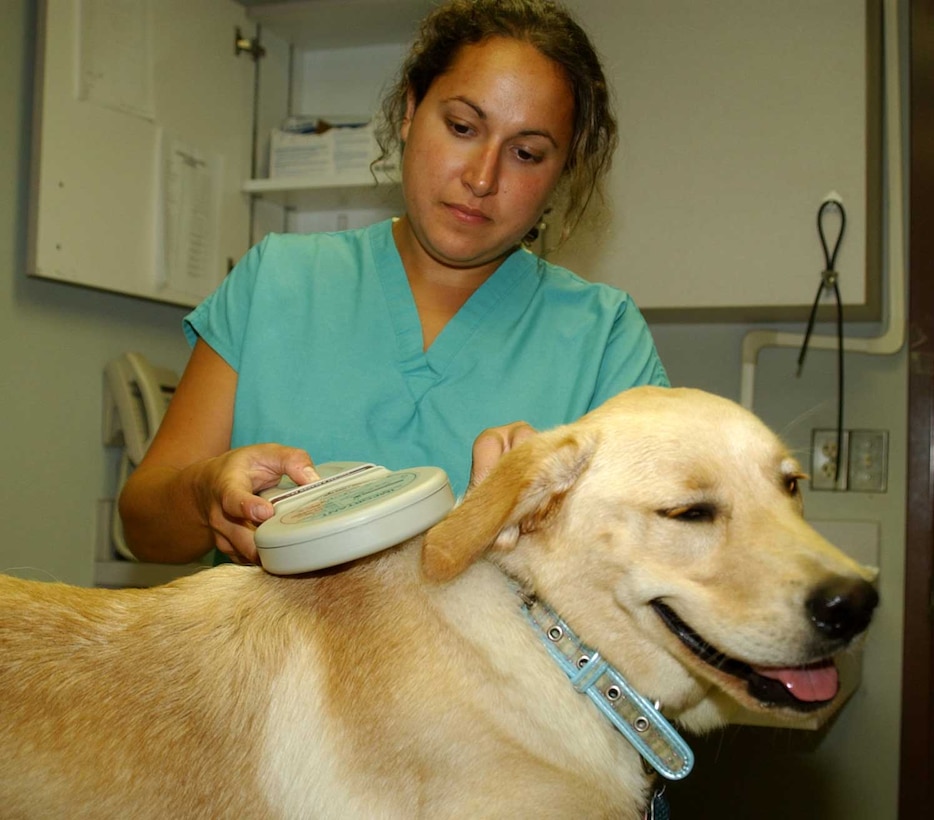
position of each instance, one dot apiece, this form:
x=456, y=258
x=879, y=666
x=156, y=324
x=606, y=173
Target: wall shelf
x=274, y=185
x=337, y=192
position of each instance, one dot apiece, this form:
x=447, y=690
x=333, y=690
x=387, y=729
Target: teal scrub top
x=324, y=334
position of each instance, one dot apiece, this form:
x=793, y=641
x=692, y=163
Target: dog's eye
x=792, y=485
x=692, y=514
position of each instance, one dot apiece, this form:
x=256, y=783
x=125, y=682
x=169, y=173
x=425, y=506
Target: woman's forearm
x=162, y=521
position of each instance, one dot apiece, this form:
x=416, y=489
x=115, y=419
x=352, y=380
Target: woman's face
x=484, y=150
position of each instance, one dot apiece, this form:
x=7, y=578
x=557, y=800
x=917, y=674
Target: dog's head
x=666, y=527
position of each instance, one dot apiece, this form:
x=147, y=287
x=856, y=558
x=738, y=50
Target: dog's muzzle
x=839, y=611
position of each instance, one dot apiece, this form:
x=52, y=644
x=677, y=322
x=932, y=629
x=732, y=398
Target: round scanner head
x=355, y=510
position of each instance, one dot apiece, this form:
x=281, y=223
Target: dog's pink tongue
x=807, y=683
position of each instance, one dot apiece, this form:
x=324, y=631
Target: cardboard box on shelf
x=336, y=151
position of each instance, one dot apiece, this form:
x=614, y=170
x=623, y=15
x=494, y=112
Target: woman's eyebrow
x=466, y=101
x=529, y=132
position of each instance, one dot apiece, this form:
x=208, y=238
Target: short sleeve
x=630, y=358
x=220, y=320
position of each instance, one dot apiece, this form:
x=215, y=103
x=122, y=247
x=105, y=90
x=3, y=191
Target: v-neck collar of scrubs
x=404, y=314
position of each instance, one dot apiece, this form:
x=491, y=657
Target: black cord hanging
x=829, y=278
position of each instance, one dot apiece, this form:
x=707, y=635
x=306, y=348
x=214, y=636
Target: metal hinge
x=248, y=45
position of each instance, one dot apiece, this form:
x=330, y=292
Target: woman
x=404, y=342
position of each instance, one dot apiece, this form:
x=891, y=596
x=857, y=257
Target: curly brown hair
x=549, y=27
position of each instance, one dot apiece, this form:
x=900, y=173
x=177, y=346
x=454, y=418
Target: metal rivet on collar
x=613, y=693
x=555, y=634
x=582, y=661
x=640, y=724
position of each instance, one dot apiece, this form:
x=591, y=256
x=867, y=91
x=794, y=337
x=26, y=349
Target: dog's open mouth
x=804, y=688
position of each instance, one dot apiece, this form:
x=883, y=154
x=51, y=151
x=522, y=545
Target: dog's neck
x=637, y=718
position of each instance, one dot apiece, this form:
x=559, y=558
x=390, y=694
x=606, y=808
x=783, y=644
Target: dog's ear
x=524, y=490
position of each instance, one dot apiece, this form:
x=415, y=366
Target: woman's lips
x=466, y=214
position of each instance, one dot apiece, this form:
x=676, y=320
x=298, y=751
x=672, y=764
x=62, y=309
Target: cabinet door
x=142, y=136
x=737, y=119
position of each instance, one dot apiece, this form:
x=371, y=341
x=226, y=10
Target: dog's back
x=107, y=693
x=238, y=694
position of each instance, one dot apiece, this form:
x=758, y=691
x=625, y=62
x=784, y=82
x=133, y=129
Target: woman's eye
x=459, y=128
x=526, y=156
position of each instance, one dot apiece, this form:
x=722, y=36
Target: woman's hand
x=227, y=487
x=492, y=443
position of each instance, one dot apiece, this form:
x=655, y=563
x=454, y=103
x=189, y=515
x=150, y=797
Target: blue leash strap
x=637, y=718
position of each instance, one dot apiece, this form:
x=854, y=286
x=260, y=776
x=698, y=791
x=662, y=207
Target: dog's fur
x=409, y=684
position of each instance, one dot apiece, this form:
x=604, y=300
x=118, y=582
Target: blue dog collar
x=637, y=718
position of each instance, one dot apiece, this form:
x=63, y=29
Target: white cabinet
x=341, y=55
x=737, y=118
x=151, y=134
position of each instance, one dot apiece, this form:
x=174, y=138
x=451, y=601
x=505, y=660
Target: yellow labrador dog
x=506, y=664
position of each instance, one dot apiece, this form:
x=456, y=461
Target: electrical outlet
x=824, y=460
x=863, y=462
x=868, y=462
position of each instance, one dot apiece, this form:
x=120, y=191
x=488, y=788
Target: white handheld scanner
x=354, y=510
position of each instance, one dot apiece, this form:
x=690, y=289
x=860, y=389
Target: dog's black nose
x=842, y=608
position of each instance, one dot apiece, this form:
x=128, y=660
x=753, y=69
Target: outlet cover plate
x=823, y=460
x=868, y=461
x=863, y=462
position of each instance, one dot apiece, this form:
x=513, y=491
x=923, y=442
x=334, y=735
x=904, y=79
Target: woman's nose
x=481, y=174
